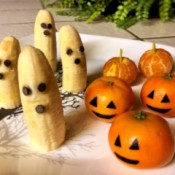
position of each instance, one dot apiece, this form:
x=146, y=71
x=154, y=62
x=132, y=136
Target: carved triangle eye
x=93, y=102
x=165, y=99
x=151, y=95
x=111, y=105
x=135, y=145
x=117, y=142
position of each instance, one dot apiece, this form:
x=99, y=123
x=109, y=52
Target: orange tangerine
x=155, y=61
x=121, y=67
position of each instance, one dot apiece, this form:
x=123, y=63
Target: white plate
x=86, y=150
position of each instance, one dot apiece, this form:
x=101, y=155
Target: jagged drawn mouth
x=104, y=116
x=133, y=162
x=158, y=109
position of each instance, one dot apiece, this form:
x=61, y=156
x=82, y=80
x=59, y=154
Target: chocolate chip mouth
x=77, y=61
x=158, y=109
x=104, y=116
x=46, y=32
x=40, y=109
x=133, y=162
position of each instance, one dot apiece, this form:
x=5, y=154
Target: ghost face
x=37, y=83
x=71, y=48
x=76, y=54
x=32, y=93
x=9, y=51
x=47, y=28
x=45, y=24
x=38, y=90
x=5, y=66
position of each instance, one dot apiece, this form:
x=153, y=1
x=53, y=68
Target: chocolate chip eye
x=26, y=90
x=43, y=25
x=7, y=63
x=69, y=51
x=81, y=49
x=42, y=87
x=1, y=76
x=49, y=26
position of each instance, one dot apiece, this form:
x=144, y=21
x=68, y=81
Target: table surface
x=17, y=18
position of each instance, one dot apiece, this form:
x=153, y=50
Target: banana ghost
x=9, y=89
x=45, y=36
x=41, y=100
x=73, y=60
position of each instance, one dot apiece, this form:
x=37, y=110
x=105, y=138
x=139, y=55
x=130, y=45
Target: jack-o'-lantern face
x=157, y=95
x=134, y=146
x=110, y=107
x=107, y=97
x=164, y=100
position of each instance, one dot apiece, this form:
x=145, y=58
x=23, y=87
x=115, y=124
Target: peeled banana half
x=41, y=100
x=45, y=36
x=9, y=89
x=73, y=59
